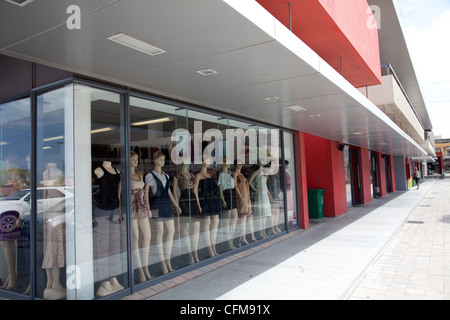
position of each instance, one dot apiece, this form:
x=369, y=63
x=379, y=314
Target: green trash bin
x=315, y=203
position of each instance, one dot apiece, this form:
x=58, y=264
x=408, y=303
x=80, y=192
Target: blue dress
x=161, y=200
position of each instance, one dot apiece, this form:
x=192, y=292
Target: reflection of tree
x=15, y=179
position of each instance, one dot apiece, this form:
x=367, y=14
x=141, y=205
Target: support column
x=302, y=186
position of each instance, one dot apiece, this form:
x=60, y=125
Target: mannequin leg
x=159, y=245
x=251, y=228
x=243, y=239
x=54, y=289
x=226, y=226
x=277, y=220
x=195, y=238
x=170, y=227
x=9, y=250
x=272, y=221
x=262, y=232
x=144, y=226
x=185, y=233
x=136, y=253
x=233, y=222
x=206, y=226
x=214, y=227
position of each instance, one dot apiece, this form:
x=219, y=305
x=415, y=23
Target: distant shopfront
x=81, y=161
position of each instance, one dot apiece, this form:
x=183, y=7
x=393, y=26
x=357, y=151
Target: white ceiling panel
x=253, y=54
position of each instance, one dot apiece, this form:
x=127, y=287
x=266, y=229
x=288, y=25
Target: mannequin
x=8, y=243
x=208, y=203
x=54, y=246
x=276, y=200
x=159, y=183
x=185, y=182
x=140, y=220
x=107, y=207
x=228, y=198
x=262, y=198
x=290, y=205
x=243, y=203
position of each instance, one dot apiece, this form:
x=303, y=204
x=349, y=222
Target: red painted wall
x=325, y=170
x=335, y=29
x=382, y=174
x=365, y=175
x=302, y=187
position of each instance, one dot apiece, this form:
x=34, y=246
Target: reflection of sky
x=51, y=124
x=15, y=135
x=15, y=132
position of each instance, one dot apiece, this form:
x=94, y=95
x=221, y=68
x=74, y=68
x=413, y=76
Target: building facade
x=139, y=138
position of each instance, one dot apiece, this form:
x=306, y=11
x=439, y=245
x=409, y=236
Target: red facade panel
x=338, y=31
x=325, y=170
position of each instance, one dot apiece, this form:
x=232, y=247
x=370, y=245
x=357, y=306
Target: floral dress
x=139, y=205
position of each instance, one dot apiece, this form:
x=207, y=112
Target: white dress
x=262, y=202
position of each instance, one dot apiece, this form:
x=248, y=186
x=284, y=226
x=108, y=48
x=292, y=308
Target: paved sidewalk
x=416, y=264
x=328, y=261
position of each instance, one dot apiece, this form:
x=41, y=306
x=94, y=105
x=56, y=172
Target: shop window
x=104, y=144
x=55, y=192
x=15, y=176
x=290, y=181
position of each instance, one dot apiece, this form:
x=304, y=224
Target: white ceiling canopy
x=245, y=54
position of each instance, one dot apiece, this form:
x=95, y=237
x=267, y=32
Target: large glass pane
x=241, y=151
x=289, y=178
x=154, y=230
x=187, y=224
x=15, y=170
x=109, y=198
x=208, y=156
x=265, y=182
x=55, y=192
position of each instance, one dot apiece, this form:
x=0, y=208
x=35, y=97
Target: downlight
x=20, y=3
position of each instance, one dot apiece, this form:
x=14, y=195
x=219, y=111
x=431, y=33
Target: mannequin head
x=206, y=162
x=225, y=165
x=134, y=157
x=159, y=159
x=237, y=164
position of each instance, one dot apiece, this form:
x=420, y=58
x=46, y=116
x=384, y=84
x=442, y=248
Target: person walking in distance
x=417, y=177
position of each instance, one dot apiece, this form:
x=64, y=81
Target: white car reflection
x=15, y=208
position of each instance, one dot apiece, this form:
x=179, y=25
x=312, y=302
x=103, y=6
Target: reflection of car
x=15, y=208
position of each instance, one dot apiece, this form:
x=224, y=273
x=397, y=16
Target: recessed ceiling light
x=136, y=44
x=272, y=98
x=20, y=3
x=152, y=121
x=296, y=108
x=102, y=130
x=53, y=138
x=207, y=72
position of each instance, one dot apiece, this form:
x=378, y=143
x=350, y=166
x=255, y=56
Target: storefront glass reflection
x=186, y=187
x=15, y=170
x=55, y=192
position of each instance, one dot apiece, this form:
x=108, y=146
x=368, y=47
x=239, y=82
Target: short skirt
x=230, y=198
x=188, y=204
